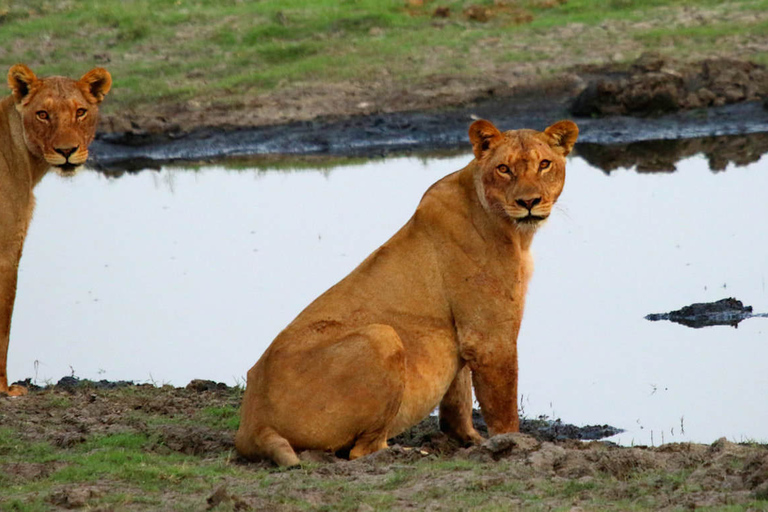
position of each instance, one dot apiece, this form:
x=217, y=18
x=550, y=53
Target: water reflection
x=663, y=155
x=181, y=274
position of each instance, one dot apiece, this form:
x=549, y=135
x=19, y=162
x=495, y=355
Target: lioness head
x=519, y=174
x=59, y=114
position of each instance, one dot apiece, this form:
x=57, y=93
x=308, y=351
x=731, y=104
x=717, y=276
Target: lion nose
x=528, y=204
x=66, y=152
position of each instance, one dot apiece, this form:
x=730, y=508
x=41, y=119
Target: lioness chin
x=432, y=312
x=44, y=123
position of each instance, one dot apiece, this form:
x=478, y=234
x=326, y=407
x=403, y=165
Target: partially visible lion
x=44, y=123
x=433, y=311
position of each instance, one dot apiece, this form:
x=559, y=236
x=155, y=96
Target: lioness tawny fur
x=433, y=311
x=44, y=123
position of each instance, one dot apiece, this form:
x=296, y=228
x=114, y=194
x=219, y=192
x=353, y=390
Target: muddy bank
x=652, y=99
x=166, y=448
x=380, y=135
x=424, y=433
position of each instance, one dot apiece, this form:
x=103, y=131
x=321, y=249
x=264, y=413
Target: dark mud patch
x=728, y=311
x=426, y=434
x=655, y=85
x=388, y=134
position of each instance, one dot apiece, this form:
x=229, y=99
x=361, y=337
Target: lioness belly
x=428, y=375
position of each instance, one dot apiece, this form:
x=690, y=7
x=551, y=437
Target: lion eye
x=503, y=169
x=544, y=164
x=42, y=115
x=81, y=112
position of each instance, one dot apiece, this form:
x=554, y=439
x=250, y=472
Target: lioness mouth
x=531, y=219
x=68, y=167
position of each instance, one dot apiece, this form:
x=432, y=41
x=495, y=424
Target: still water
x=180, y=274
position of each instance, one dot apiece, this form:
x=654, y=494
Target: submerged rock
x=723, y=312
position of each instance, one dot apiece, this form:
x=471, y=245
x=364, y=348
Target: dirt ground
x=422, y=467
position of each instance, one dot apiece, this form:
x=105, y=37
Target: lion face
x=58, y=114
x=520, y=173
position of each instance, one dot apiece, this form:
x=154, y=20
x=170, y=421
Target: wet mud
x=381, y=135
x=426, y=433
x=728, y=311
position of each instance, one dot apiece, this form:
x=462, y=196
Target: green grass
x=227, y=52
x=221, y=417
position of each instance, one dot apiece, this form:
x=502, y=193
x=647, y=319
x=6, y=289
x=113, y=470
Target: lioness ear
x=20, y=80
x=563, y=134
x=96, y=84
x=483, y=135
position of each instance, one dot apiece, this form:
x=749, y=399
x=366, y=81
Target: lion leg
x=456, y=409
x=8, y=278
x=495, y=384
x=387, y=367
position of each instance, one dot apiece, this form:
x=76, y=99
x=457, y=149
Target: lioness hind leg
x=384, y=372
x=368, y=443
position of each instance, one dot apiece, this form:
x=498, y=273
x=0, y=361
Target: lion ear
x=96, y=84
x=20, y=80
x=563, y=135
x=483, y=135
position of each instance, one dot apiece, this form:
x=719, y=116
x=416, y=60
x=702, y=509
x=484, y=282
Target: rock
x=201, y=385
x=75, y=497
x=723, y=312
x=220, y=496
x=655, y=85
x=477, y=13
x=442, y=12
x=503, y=444
x=547, y=457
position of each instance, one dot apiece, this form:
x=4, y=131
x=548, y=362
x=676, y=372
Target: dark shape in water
x=723, y=312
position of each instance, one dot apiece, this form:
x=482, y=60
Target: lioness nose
x=66, y=152
x=528, y=203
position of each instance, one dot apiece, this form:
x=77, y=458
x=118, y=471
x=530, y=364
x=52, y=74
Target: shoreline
x=651, y=100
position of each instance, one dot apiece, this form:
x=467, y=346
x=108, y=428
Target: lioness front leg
x=495, y=380
x=8, y=277
x=456, y=409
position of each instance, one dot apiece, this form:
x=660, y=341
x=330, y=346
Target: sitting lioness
x=431, y=312
x=45, y=122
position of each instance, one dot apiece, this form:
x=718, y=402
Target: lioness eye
x=81, y=112
x=503, y=168
x=42, y=114
x=544, y=164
